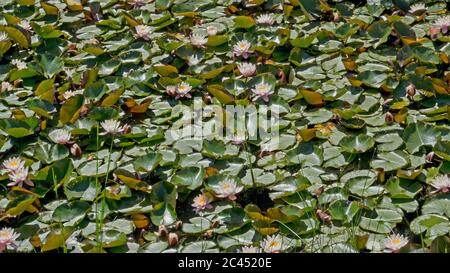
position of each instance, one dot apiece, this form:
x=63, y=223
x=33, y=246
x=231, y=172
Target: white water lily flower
x=143, y=31
x=263, y=91
x=19, y=64
x=13, y=164
x=227, y=189
x=92, y=41
x=183, y=90
x=443, y=22
x=212, y=30
x=395, y=242
x=6, y=86
x=25, y=25
x=70, y=73
x=60, y=136
x=7, y=238
x=247, y=69
x=68, y=94
x=417, y=7
x=3, y=36
x=242, y=48
x=198, y=40
x=18, y=177
x=238, y=139
x=249, y=249
x=201, y=202
x=441, y=183
x=273, y=244
x=265, y=19
x=111, y=127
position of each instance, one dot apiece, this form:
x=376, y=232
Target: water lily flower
x=70, y=73
x=91, y=41
x=201, y=202
x=238, y=139
x=263, y=91
x=265, y=19
x=249, y=249
x=183, y=90
x=139, y=3
x=212, y=30
x=111, y=127
x=3, y=36
x=25, y=25
x=7, y=238
x=227, y=189
x=19, y=64
x=61, y=136
x=273, y=244
x=143, y=31
x=442, y=23
x=441, y=183
x=247, y=69
x=18, y=177
x=198, y=40
x=13, y=164
x=242, y=48
x=419, y=7
x=69, y=93
x=6, y=86
x=395, y=242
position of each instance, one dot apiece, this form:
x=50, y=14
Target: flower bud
x=208, y=234
x=178, y=225
x=162, y=231
x=336, y=16
x=75, y=150
x=126, y=129
x=173, y=239
x=430, y=156
x=324, y=217
x=411, y=90
x=211, y=30
x=389, y=118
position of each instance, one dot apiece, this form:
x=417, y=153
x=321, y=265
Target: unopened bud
x=411, y=90
x=211, y=30
x=389, y=118
x=324, y=217
x=171, y=90
x=72, y=49
x=208, y=234
x=173, y=239
x=430, y=156
x=162, y=231
x=178, y=225
x=17, y=82
x=75, y=150
x=336, y=16
x=317, y=192
x=126, y=128
x=215, y=224
x=207, y=98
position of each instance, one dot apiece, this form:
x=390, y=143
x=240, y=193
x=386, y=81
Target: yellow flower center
x=13, y=164
x=201, y=200
x=274, y=244
x=396, y=241
x=226, y=186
